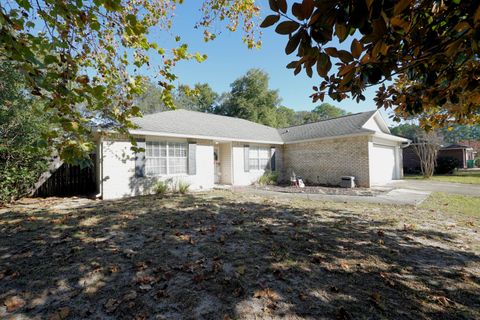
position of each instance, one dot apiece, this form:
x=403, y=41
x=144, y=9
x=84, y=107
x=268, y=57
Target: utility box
x=347, y=182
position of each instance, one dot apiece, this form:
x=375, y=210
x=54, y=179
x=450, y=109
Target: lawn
x=469, y=177
x=454, y=204
x=222, y=255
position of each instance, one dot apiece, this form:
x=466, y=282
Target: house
x=206, y=149
x=463, y=153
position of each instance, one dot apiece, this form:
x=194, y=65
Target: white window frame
x=257, y=158
x=170, y=147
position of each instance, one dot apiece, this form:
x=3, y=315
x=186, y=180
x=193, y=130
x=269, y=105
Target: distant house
x=463, y=153
x=205, y=149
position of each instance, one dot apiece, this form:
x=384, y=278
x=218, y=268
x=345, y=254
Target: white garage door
x=383, y=169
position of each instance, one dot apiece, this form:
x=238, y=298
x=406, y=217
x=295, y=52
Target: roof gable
x=341, y=126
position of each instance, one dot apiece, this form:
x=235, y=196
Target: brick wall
x=326, y=161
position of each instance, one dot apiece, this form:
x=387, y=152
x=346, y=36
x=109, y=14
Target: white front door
x=384, y=164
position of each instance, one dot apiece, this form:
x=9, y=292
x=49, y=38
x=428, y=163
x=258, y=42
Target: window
x=259, y=158
x=165, y=158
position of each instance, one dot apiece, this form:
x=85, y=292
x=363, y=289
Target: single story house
x=463, y=153
x=205, y=149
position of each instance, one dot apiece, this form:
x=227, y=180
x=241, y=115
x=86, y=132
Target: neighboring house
x=463, y=153
x=205, y=149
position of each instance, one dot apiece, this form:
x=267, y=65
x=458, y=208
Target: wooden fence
x=69, y=180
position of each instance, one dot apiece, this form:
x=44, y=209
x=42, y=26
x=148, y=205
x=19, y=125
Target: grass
x=222, y=255
x=468, y=177
x=454, y=204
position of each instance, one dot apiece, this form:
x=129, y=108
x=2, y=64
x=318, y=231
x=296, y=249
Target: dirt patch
x=222, y=255
x=366, y=192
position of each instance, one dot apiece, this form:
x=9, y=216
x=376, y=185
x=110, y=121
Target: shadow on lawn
x=208, y=257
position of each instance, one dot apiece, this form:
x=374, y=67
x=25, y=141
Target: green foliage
x=446, y=165
x=327, y=111
x=161, y=187
x=23, y=151
x=430, y=48
x=150, y=101
x=201, y=98
x=268, y=178
x=477, y=161
x=251, y=99
x=405, y=130
x=183, y=187
x=86, y=59
x=458, y=133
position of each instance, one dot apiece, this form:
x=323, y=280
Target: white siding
x=119, y=170
x=240, y=177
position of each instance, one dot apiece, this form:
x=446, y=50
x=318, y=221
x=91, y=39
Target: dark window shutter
x=272, y=159
x=140, y=158
x=192, y=158
x=246, y=157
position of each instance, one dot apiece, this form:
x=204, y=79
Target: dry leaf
x=60, y=314
x=14, y=303
x=266, y=293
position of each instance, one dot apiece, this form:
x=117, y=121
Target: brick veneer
x=326, y=161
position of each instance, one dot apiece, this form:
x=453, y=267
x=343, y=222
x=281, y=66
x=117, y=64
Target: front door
x=216, y=159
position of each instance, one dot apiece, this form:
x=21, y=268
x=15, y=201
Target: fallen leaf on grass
x=14, y=303
x=387, y=279
x=111, y=305
x=302, y=296
x=444, y=301
x=343, y=314
x=60, y=314
x=240, y=270
x=380, y=233
x=266, y=293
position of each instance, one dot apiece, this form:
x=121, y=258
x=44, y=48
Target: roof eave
x=203, y=137
x=366, y=133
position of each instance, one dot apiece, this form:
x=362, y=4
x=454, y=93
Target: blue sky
x=229, y=58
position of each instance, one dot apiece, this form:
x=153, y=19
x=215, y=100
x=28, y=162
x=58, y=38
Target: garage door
x=383, y=169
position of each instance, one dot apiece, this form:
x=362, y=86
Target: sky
x=229, y=58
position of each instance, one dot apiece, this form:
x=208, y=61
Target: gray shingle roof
x=346, y=125
x=209, y=125
x=194, y=123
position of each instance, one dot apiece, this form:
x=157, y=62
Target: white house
x=205, y=149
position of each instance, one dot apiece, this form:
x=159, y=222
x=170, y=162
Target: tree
x=428, y=48
x=251, y=99
x=150, y=100
x=327, y=111
x=458, y=133
x=91, y=54
x=201, y=98
x=23, y=151
x=286, y=117
x=426, y=146
x=406, y=130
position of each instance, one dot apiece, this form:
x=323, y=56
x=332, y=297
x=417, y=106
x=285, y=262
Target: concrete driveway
x=437, y=186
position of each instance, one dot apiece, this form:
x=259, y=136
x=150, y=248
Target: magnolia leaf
x=400, y=6
x=293, y=43
x=287, y=27
x=356, y=48
x=307, y=8
x=341, y=31
x=297, y=11
x=273, y=5
x=282, y=5
x=270, y=20
x=331, y=51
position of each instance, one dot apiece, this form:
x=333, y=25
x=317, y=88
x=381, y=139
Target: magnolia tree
x=85, y=59
x=422, y=55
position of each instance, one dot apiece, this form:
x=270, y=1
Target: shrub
x=446, y=165
x=183, y=187
x=477, y=162
x=268, y=178
x=161, y=187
